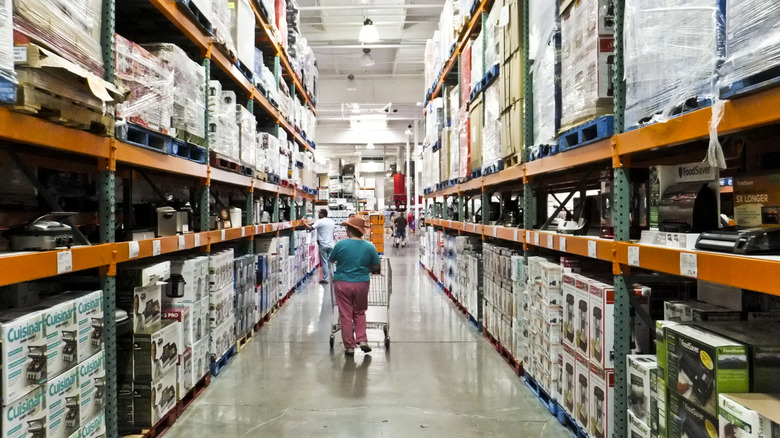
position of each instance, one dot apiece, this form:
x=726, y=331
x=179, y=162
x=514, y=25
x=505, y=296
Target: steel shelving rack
x=740, y=114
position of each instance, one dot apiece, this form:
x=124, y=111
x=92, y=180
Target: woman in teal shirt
x=355, y=259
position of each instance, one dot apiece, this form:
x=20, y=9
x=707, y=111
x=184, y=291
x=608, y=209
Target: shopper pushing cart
x=356, y=292
x=400, y=230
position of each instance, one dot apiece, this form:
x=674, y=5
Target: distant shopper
x=400, y=230
x=325, y=230
x=355, y=259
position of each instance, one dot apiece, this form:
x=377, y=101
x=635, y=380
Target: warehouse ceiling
x=380, y=100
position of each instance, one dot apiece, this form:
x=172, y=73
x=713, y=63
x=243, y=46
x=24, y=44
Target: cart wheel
x=387, y=342
x=332, y=341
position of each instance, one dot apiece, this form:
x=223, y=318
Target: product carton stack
x=511, y=80
x=221, y=21
x=247, y=141
x=245, y=280
x=543, y=38
x=224, y=132
x=222, y=295
x=449, y=275
x=267, y=159
x=498, y=310
x=148, y=356
x=469, y=275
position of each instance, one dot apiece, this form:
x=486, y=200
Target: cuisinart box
x=749, y=415
x=569, y=387
x=582, y=380
x=184, y=369
x=89, y=312
x=582, y=316
x=24, y=353
x=63, y=405
x=641, y=371
x=201, y=359
x=702, y=364
x=156, y=351
x=62, y=336
x=26, y=417
x=94, y=428
x=757, y=200
x=569, y=307
x=220, y=305
x=152, y=400
x=92, y=380
x=142, y=274
x=687, y=419
x=222, y=337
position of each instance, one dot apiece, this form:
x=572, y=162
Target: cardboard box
x=24, y=353
x=94, y=428
x=62, y=402
x=188, y=283
x=89, y=313
x=512, y=130
x=569, y=308
x=637, y=428
x=26, y=416
x=690, y=311
x=582, y=400
x=602, y=395
x=243, y=31
x=183, y=314
x=702, y=364
x=221, y=270
x=662, y=177
x=687, y=419
x=221, y=305
x=185, y=370
x=582, y=315
x=62, y=332
x=156, y=351
x=749, y=415
x=143, y=305
x=641, y=373
x=602, y=317
x=92, y=380
x=222, y=338
x=141, y=274
x=661, y=373
x=476, y=123
x=200, y=320
x=152, y=400
x=201, y=359
x=757, y=200
x=569, y=387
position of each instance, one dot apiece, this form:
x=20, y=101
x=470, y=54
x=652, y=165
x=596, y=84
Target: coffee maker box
x=569, y=308
x=152, y=400
x=688, y=419
x=583, y=317
x=26, y=416
x=184, y=314
x=602, y=394
x=89, y=312
x=638, y=428
x=142, y=274
x=641, y=373
x=185, y=370
x=569, y=387
x=702, y=364
x=757, y=200
x=62, y=330
x=602, y=316
x=582, y=400
x=92, y=380
x=749, y=415
x=143, y=305
x=63, y=405
x=156, y=351
x=188, y=283
x=24, y=352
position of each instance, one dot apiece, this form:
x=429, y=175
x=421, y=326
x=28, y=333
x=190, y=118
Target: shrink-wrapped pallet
x=247, y=126
x=542, y=49
x=221, y=21
x=477, y=60
x=6, y=42
x=752, y=40
x=491, y=131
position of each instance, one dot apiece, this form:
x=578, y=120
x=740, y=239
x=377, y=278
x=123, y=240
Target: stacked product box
x=469, y=274
x=749, y=415
x=221, y=302
x=641, y=376
x=267, y=159
x=247, y=141
x=587, y=61
x=242, y=29
x=150, y=83
x=491, y=130
x=542, y=50
x=224, y=134
x=522, y=317
x=7, y=44
x=698, y=311
x=221, y=21
x=449, y=278
x=544, y=306
x=245, y=280
x=498, y=308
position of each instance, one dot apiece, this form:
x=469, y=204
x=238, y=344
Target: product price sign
x=156, y=248
x=689, y=265
x=592, y=251
x=243, y=231
x=536, y=239
x=222, y=235
x=257, y=229
x=516, y=233
x=528, y=237
x=182, y=242
x=133, y=249
x=197, y=240
x=550, y=242
x=633, y=256
x=562, y=244
x=495, y=231
x=64, y=262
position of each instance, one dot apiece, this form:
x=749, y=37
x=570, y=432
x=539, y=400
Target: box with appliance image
x=689, y=420
x=142, y=304
x=24, y=353
x=641, y=373
x=61, y=326
x=637, y=428
x=582, y=395
x=26, y=416
x=184, y=315
x=201, y=359
x=89, y=313
x=222, y=338
x=63, y=405
x=582, y=316
x=602, y=316
x=757, y=200
x=569, y=308
x=661, y=374
x=92, y=381
x=185, y=371
x=141, y=274
x=221, y=305
x=94, y=428
x=690, y=310
x=749, y=415
x=152, y=400
x=220, y=270
x=569, y=387
x=188, y=282
x=156, y=351
x=702, y=364
x=684, y=198
x=602, y=394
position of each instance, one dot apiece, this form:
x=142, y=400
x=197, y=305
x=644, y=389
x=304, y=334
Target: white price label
x=689, y=265
x=243, y=232
x=528, y=237
x=222, y=235
x=592, y=253
x=516, y=235
x=257, y=229
x=495, y=231
x=536, y=239
x=550, y=242
x=133, y=249
x=197, y=240
x=156, y=248
x=633, y=256
x=182, y=243
x=562, y=244
x=64, y=262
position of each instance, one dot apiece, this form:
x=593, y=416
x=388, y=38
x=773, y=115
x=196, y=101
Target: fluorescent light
x=408, y=130
x=368, y=33
x=367, y=60
x=355, y=108
x=370, y=145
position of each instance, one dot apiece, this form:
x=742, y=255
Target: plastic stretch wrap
x=223, y=129
x=293, y=16
x=270, y=8
x=242, y=28
x=542, y=51
x=222, y=22
x=428, y=64
x=477, y=65
x=247, y=126
x=463, y=142
x=673, y=48
x=446, y=29
x=455, y=149
x=6, y=41
x=587, y=62
x=284, y=167
x=267, y=153
x=434, y=116
x=491, y=132
x=752, y=38
x=435, y=167
x=465, y=74
x=151, y=85
x=493, y=35
x=189, y=94
x=69, y=27
x=281, y=21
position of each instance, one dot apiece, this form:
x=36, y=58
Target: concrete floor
x=439, y=379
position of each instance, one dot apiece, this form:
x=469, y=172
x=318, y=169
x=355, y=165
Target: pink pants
x=352, y=299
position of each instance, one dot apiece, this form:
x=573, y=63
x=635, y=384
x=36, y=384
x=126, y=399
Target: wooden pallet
x=244, y=340
x=219, y=365
x=223, y=163
x=160, y=428
x=193, y=393
x=512, y=160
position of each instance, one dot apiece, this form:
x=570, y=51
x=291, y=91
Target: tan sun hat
x=357, y=223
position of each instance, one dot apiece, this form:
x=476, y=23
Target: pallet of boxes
x=377, y=234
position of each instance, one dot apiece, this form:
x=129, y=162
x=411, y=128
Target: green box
x=701, y=364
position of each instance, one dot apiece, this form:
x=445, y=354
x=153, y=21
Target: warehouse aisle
x=440, y=378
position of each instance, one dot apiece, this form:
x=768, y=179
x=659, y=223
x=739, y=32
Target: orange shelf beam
x=129, y=154
x=22, y=128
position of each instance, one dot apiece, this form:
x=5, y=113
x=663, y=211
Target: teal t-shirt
x=354, y=259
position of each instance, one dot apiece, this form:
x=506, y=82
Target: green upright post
x=205, y=197
x=276, y=209
x=485, y=207
x=528, y=92
x=461, y=208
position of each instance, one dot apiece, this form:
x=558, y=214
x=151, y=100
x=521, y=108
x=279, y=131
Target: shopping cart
x=378, y=312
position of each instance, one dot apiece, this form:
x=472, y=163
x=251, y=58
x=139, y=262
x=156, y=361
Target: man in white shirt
x=325, y=230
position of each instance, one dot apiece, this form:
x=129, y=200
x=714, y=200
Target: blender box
x=141, y=274
x=24, y=352
x=568, y=388
x=686, y=419
x=702, y=364
x=94, y=428
x=156, y=351
x=152, y=400
x=201, y=359
x=89, y=312
x=92, y=381
x=551, y=275
x=582, y=316
x=188, y=283
x=220, y=305
x=763, y=344
x=641, y=373
x=62, y=329
x=569, y=306
x=185, y=370
x=63, y=405
x=143, y=305
x=749, y=415
x=637, y=428
x=602, y=316
x=582, y=399
x=26, y=417
x=602, y=394
x=182, y=313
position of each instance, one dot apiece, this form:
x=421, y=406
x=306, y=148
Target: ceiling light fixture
x=408, y=130
x=368, y=33
x=351, y=84
x=370, y=145
x=367, y=60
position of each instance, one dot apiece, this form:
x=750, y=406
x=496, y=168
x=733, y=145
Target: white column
x=416, y=181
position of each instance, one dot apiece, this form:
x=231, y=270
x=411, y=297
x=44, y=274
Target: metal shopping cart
x=378, y=312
